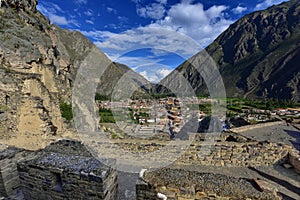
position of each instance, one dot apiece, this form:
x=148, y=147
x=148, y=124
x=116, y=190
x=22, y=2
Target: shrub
x=101, y=97
x=66, y=111
x=113, y=135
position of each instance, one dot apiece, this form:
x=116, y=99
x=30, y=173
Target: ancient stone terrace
x=63, y=170
x=229, y=149
x=66, y=169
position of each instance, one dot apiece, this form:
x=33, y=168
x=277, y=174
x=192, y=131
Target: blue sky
x=151, y=36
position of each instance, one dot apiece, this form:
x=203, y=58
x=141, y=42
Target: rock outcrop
x=36, y=72
x=38, y=66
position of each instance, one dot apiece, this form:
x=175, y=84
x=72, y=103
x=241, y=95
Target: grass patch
x=106, y=116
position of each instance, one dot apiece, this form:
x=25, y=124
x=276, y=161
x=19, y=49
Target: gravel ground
x=276, y=133
x=287, y=181
x=220, y=184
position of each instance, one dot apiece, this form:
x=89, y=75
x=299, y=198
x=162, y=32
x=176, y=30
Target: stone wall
x=65, y=169
x=67, y=173
x=29, y=113
x=50, y=182
x=219, y=154
x=236, y=154
x=9, y=178
x=294, y=160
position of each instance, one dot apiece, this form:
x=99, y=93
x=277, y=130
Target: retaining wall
x=236, y=154
x=50, y=182
x=9, y=178
x=66, y=170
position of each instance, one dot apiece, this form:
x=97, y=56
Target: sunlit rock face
x=38, y=64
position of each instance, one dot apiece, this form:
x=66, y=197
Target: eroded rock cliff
x=38, y=65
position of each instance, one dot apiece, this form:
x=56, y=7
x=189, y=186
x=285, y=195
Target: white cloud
x=135, y=1
x=49, y=8
x=193, y=20
x=153, y=11
x=60, y=20
x=185, y=29
x=80, y=1
x=164, y=72
x=215, y=12
x=112, y=26
x=153, y=78
x=122, y=19
x=56, y=14
x=144, y=74
x=53, y=7
x=239, y=9
x=111, y=10
x=89, y=13
x=164, y=2
x=144, y=37
x=89, y=21
x=148, y=66
x=154, y=73
x=138, y=62
x=268, y=3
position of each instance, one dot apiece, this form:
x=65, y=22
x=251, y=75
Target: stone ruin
x=63, y=170
x=180, y=184
x=66, y=170
x=9, y=179
x=230, y=150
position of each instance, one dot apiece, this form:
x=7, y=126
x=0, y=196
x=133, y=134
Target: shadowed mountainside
x=257, y=56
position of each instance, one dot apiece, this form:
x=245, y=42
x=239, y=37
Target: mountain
x=116, y=71
x=258, y=56
x=38, y=68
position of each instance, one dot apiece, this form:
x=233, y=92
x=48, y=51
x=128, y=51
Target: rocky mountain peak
x=258, y=56
x=259, y=32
